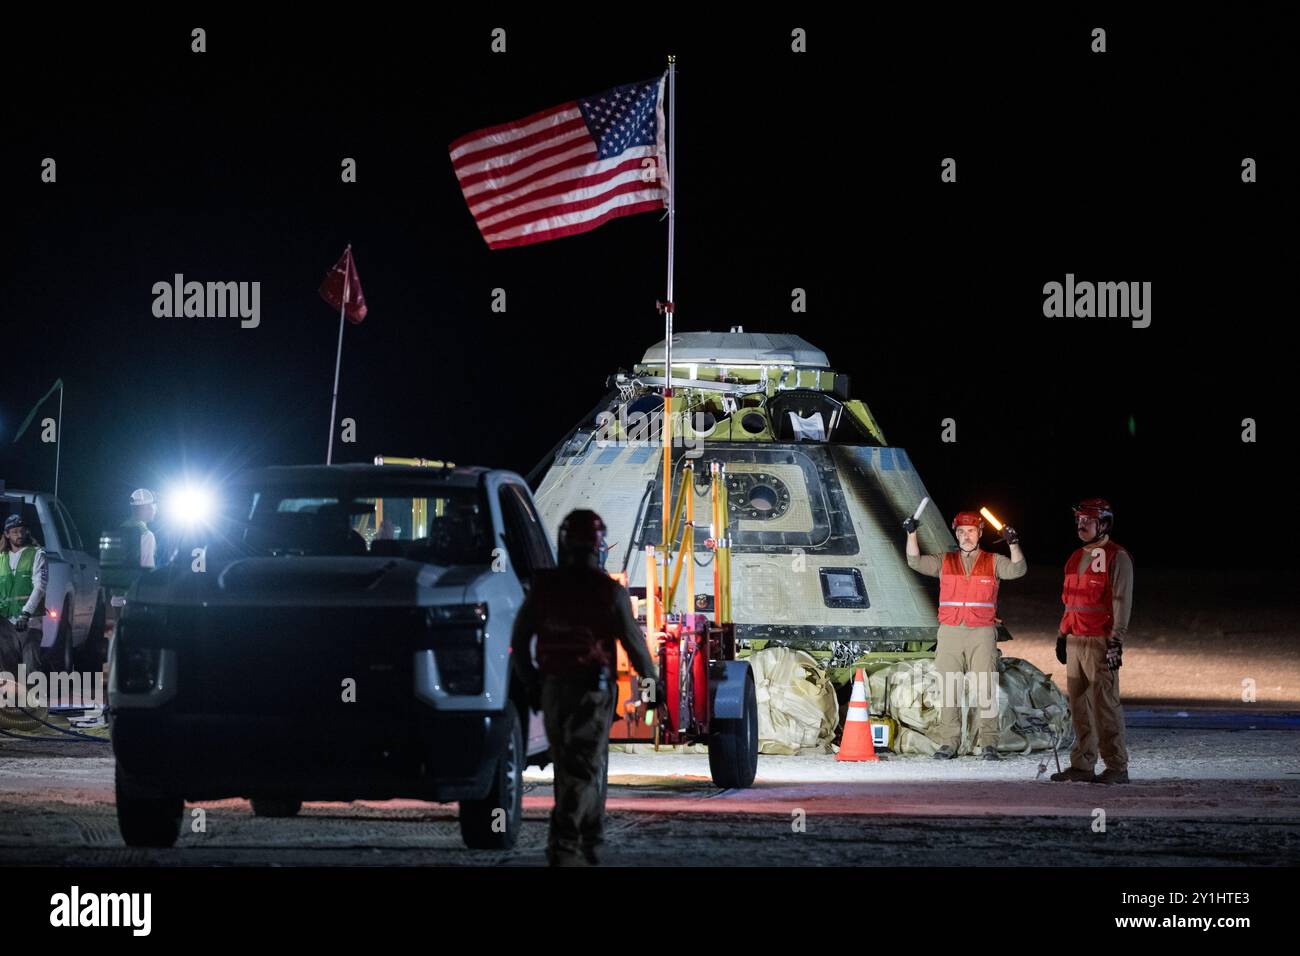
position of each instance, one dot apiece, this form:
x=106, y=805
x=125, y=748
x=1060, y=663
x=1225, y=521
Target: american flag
x=567, y=169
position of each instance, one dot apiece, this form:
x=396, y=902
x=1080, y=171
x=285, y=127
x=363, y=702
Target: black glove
x=20, y=623
x=534, y=691
x=1009, y=535
x=1114, y=654
x=910, y=525
x=1060, y=648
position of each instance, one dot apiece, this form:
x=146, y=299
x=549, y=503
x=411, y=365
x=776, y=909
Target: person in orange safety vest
x=968, y=598
x=1098, y=598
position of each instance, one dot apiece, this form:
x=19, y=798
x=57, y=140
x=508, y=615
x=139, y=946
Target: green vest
x=16, y=583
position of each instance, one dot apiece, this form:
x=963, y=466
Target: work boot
x=1073, y=774
x=562, y=858
x=990, y=753
x=1112, y=776
x=945, y=753
x=591, y=852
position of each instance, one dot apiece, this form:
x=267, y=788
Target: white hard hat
x=142, y=496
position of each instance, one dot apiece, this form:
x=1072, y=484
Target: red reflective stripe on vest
x=1089, y=597
x=968, y=600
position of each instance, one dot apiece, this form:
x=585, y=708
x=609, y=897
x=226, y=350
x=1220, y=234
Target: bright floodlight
x=191, y=505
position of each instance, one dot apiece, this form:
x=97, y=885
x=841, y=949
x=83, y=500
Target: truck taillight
x=472, y=614
x=460, y=662
x=137, y=669
x=455, y=634
x=138, y=650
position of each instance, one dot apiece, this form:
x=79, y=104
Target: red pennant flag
x=342, y=288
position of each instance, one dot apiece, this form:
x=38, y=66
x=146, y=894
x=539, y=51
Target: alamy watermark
x=133, y=911
x=639, y=429
x=209, y=300
x=1101, y=300
x=979, y=690
x=39, y=689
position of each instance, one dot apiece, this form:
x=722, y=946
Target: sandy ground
x=1207, y=790
x=1196, y=638
x=1216, y=778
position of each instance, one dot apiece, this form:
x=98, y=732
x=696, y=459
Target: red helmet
x=1094, y=508
x=1098, y=508
x=968, y=518
x=582, y=531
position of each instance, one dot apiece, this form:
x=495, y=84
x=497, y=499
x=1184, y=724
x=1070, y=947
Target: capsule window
x=843, y=587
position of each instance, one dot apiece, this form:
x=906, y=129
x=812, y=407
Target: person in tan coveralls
x=968, y=634
x=1098, y=598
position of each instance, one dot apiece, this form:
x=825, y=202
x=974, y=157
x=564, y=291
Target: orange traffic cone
x=856, y=743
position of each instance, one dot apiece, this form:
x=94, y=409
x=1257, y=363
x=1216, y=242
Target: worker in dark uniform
x=577, y=613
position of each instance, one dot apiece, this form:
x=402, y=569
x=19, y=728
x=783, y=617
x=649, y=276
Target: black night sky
x=818, y=171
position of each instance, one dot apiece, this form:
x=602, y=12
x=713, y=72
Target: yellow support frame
x=724, y=549
x=721, y=530
x=651, y=591
x=684, y=555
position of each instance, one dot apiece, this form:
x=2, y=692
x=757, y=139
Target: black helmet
x=582, y=532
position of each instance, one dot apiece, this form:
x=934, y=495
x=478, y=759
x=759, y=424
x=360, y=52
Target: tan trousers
x=968, y=650
x=1095, y=709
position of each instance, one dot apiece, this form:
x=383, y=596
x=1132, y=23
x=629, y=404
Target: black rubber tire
x=58, y=659
x=144, y=818
x=93, y=651
x=276, y=807
x=480, y=823
x=733, y=744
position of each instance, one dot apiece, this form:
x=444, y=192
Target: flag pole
x=668, y=326
x=58, y=428
x=338, y=357
x=58, y=445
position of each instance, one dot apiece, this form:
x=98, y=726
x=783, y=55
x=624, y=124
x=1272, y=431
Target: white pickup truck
x=345, y=636
x=72, y=627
